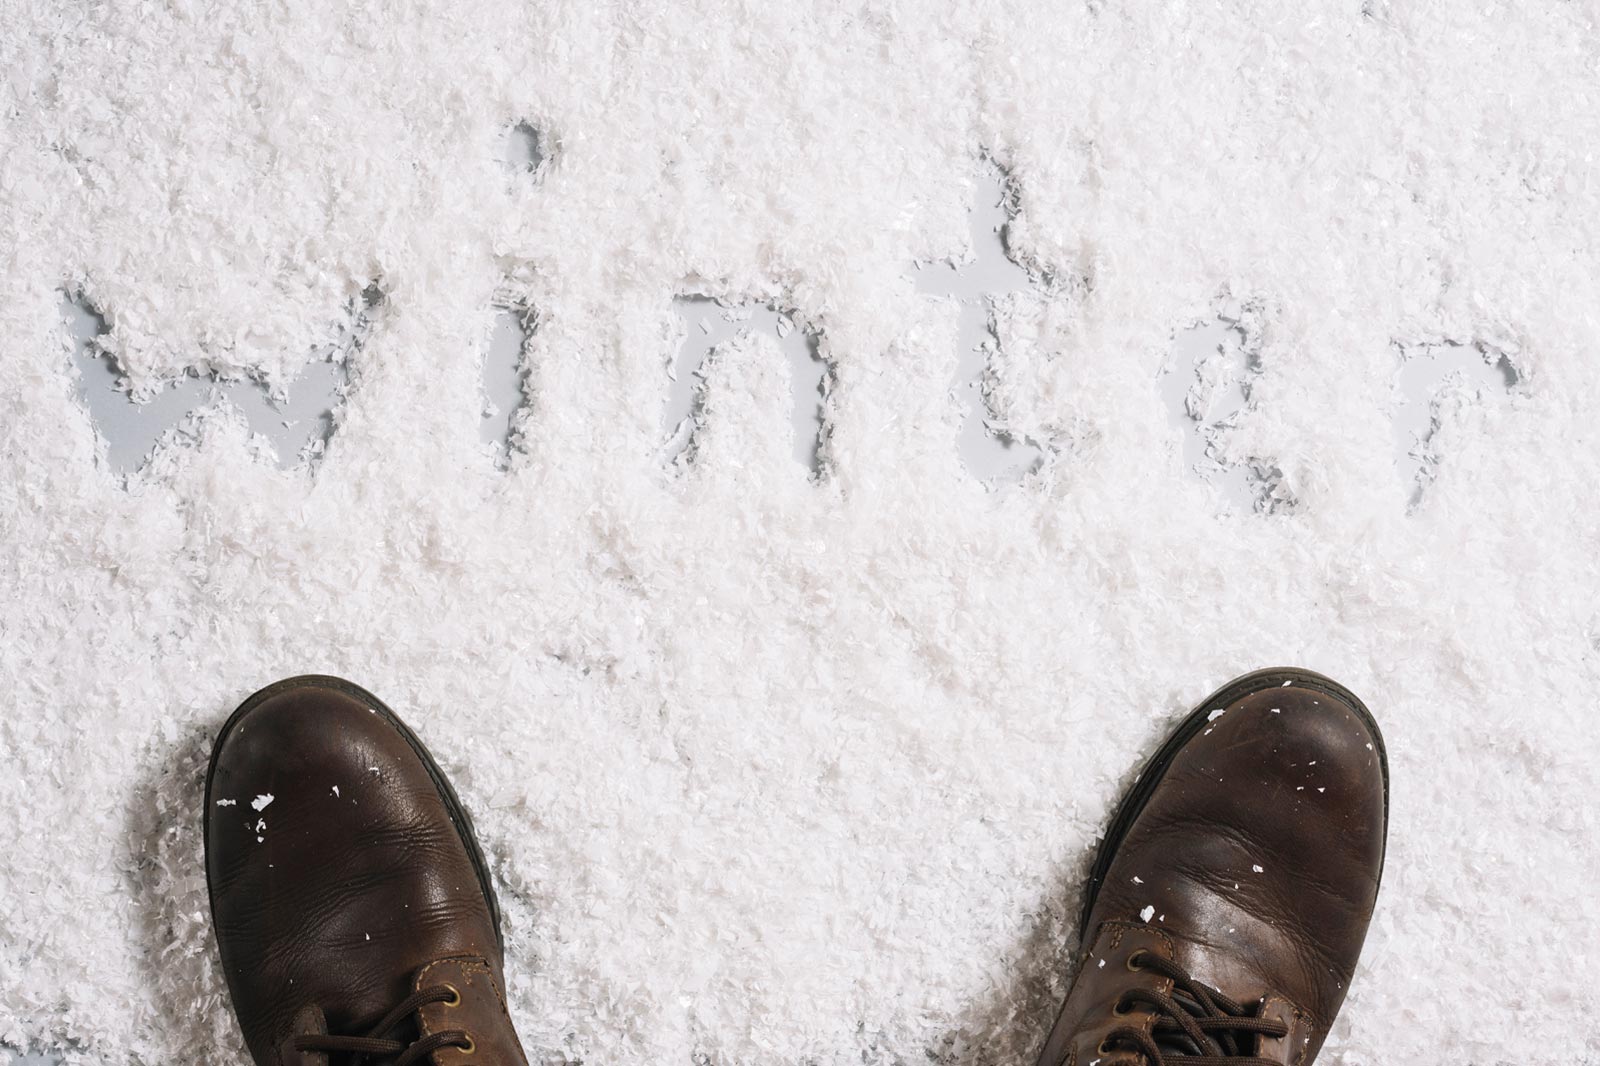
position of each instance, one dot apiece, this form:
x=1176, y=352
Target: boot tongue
x=1209, y=968
x=1178, y=1044
x=308, y=1021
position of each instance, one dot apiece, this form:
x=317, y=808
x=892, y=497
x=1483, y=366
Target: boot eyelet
x=1133, y=961
x=1105, y=1048
x=1123, y=1007
x=470, y=1047
x=455, y=1000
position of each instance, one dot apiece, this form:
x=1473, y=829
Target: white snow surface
x=774, y=769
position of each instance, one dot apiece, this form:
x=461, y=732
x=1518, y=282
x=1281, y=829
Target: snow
x=824, y=754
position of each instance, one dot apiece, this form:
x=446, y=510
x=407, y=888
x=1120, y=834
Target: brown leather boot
x=1230, y=897
x=353, y=908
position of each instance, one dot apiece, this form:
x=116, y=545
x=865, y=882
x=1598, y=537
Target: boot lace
x=1194, y=1025
x=376, y=1042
